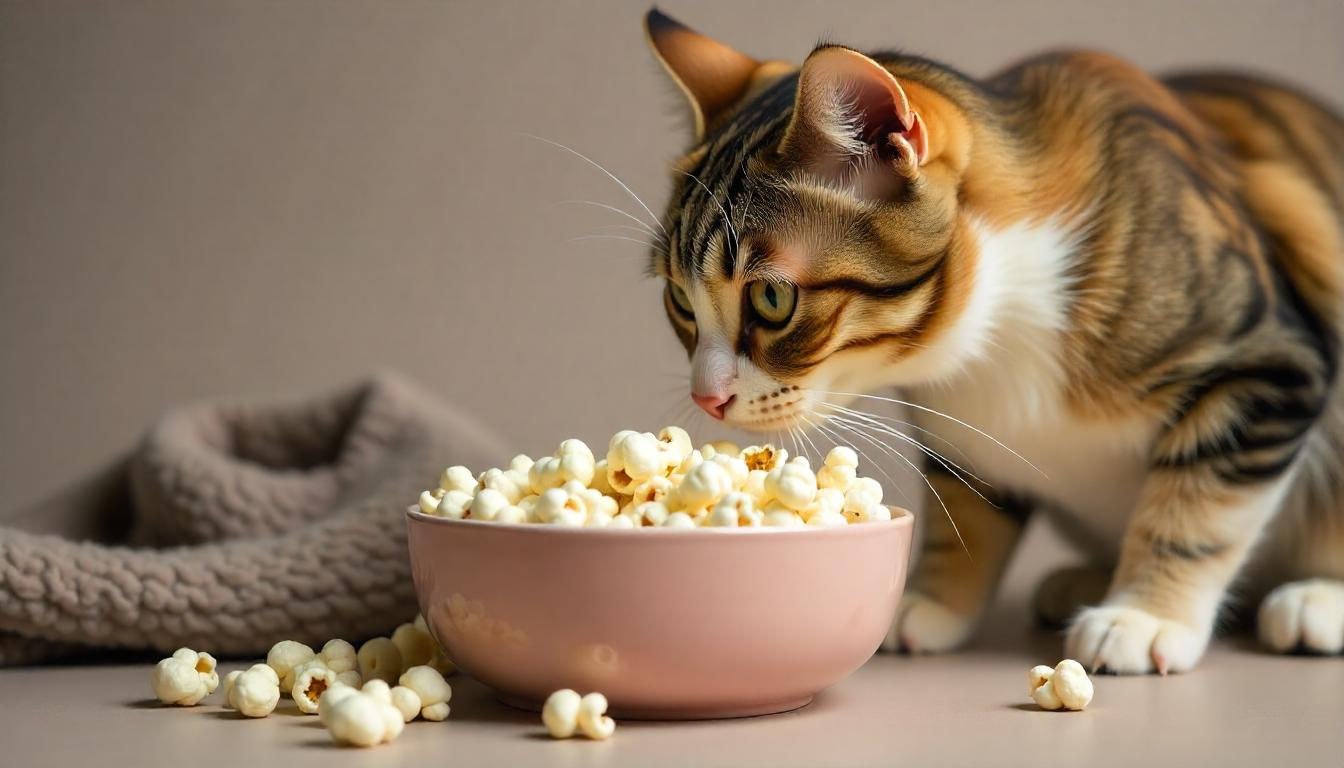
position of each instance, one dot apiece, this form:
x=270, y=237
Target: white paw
x=1129, y=641
x=924, y=625
x=1304, y=614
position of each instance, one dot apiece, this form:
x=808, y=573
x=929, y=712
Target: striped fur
x=1136, y=282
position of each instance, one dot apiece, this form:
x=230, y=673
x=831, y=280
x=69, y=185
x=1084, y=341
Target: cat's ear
x=713, y=76
x=849, y=108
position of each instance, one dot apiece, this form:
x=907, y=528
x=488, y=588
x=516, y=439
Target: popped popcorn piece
x=380, y=659
x=706, y=483
x=203, y=663
x=737, y=509
x=438, y=661
x=454, y=505
x=655, y=488
x=863, y=493
x=487, y=503
x=254, y=692
x=433, y=690
x=557, y=506
x=871, y=513
x=358, y=719
x=511, y=515
x=675, y=444
x=339, y=656
x=592, y=717
x=735, y=467
x=560, y=713
x=724, y=446
x=836, y=476
x=679, y=520
x=600, y=483
x=378, y=689
x=406, y=701
x=622, y=521
x=415, y=644
x=1066, y=686
x=777, y=515
x=827, y=518
x=457, y=478
x=350, y=677
x=633, y=457
x=177, y=682
x=792, y=484
x=326, y=703
x=755, y=485
x=429, y=503
x=764, y=457
x=310, y=681
x=1072, y=685
x=573, y=460
x=505, y=483
x=284, y=656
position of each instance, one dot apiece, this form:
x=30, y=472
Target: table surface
x=1240, y=707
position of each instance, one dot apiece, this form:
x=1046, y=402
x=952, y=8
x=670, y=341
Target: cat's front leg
x=1189, y=535
x=959, y=567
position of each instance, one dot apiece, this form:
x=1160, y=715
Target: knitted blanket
x=234, y=525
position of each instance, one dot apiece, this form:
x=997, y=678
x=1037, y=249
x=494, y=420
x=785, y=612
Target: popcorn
x=406, y=701
x=184, y=678
x=254, y=692
x=560, y=713
x=1066, y=686
x=379, y=658
x=565, y=712
x=592, y=719
x=487, y=504
x=632, y=457
x=454, y=505
x=433, y=690
x=457, y=478
x=706, y=483
x=415, y=644
x=310, y=681
x=339, y=656
x=284, y=656
x=573, y=460
x=559, y=507
x=648, y=480
x=792, y=484
x=359, y=719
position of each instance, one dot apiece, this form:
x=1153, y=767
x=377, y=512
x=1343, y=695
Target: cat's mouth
x=782, y=413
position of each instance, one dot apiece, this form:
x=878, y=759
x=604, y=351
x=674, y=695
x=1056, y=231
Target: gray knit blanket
x=234, y=525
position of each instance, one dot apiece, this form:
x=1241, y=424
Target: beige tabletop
x=1241, y=707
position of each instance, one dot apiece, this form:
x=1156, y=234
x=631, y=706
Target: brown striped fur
x=1199, y=286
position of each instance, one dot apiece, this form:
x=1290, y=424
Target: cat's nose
x=714, y=404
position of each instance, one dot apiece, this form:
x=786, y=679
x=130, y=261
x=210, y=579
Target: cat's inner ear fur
x=853, y=124
x=713, y=76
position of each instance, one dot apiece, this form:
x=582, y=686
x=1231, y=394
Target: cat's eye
x=680, y=300
x=773, y=302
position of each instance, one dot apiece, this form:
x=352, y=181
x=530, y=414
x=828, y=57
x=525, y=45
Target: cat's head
x=814, y=237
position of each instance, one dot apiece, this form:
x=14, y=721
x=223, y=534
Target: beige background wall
x=276, y=197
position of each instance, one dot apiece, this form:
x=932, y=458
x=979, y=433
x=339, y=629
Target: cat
x=1135, y=286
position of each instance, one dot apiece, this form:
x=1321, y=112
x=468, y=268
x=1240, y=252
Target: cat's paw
x=1130, y=641
x=924, y=625
x=1304, y=614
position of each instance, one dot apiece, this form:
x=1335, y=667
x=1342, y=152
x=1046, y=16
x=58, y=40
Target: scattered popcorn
x=560, y=713
x=565, y=712
x=593, y=720
x=406, y=701
x=284, y=656
x=339, y=656
x=253, y=692
x=433, y=690
x=415, y=644
x=661, y=481
x=359, y=719
x=184, y=678
x=1066, y=686
x=310, y=680
x=379, y=658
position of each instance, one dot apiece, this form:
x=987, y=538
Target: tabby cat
x=1136, y=286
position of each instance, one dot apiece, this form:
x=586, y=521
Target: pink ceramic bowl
x=669, y=624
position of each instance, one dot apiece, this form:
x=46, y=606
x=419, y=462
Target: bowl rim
x=900, y=517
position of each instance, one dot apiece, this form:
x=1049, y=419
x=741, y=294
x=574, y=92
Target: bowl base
x=678, y=713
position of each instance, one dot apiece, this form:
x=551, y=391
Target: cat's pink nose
x=714, y=404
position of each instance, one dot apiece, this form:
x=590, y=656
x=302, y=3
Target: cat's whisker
x=900, y=487
x=926, y=450
x=937, y=496
x=603, y=169
x=636, y=230
x=645, y=227
x=951, y=467
x=645, y=243
x=901, y=422
x=934, y=412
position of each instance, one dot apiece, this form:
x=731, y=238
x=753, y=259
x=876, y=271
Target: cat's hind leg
x=1305, y=615
x=1062, y=593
